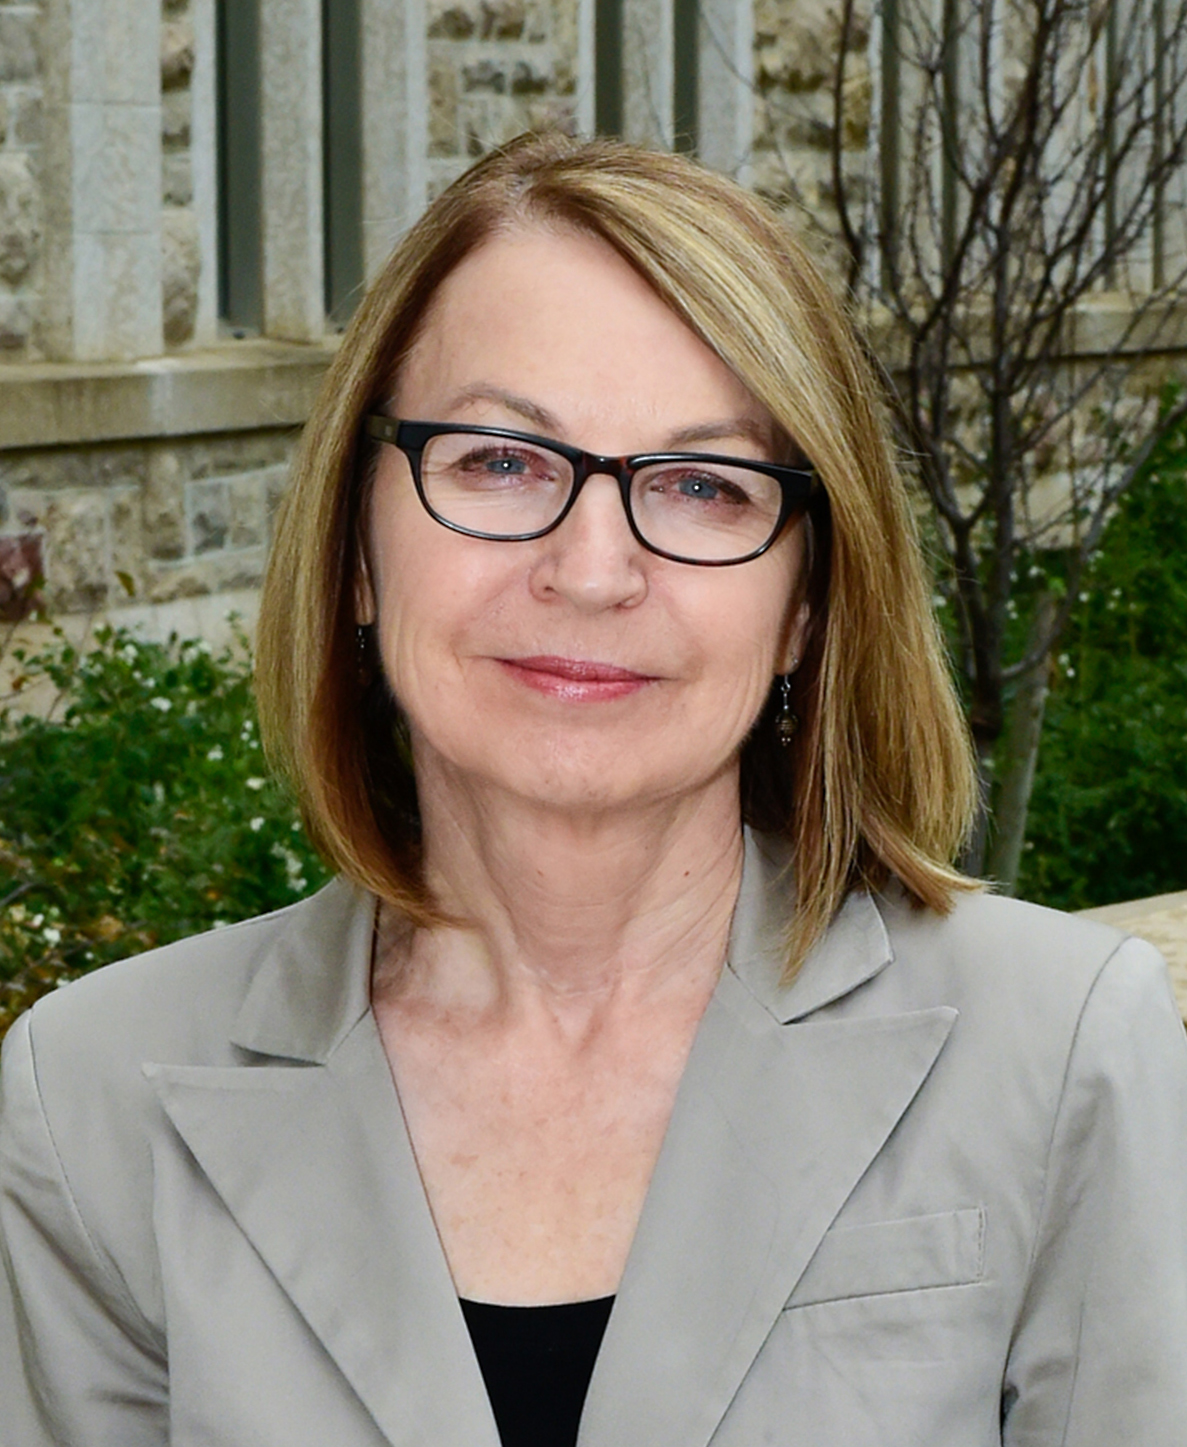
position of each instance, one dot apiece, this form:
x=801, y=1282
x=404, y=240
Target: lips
x=576, y=678
x=580, y=670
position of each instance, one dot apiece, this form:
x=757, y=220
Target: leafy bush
x=1108, y=816
x=139, y=811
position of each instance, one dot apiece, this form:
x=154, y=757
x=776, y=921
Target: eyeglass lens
x=504, y=488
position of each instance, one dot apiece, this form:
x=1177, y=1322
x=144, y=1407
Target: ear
x=364, y=595
x=797, y=637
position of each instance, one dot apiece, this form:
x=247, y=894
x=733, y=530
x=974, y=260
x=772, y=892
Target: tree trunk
x=1022, y=752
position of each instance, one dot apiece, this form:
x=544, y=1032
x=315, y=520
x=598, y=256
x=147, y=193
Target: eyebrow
x=749, y=429
x=482, y=392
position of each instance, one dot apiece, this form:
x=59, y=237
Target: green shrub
x=139, y=811
x=1108, y=816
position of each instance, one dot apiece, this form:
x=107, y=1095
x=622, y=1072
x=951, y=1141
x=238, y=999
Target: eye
x=700, y=487
x=502, y=461
x=490, y=459
x=703, y=486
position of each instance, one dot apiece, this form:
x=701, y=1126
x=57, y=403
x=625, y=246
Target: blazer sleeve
x=1099, y=1357
x=79, y=1366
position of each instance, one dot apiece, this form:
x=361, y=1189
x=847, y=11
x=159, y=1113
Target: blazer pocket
x=887, y=1256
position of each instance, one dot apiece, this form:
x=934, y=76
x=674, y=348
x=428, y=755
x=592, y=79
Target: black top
x=536, y=1362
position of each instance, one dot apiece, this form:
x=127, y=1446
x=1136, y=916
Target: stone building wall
x=496, y=67
x=796, y=43
x=21, y=205
x=146, y=522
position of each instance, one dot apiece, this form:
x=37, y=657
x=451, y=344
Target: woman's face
x=577, y=670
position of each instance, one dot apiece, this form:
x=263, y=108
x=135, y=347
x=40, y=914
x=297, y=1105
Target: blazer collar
x=299, y=1006
x=313, y=984
x=855, y=948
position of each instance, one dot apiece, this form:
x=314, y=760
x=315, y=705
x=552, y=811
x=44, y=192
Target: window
x=240, y=300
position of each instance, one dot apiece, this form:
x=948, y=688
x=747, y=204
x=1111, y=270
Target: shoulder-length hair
x=879, y=780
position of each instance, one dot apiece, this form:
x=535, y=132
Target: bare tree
x=1023, y=247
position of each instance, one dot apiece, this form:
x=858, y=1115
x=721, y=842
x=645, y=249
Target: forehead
x=558, y=316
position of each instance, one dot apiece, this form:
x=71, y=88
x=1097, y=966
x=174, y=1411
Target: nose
x=592, y=559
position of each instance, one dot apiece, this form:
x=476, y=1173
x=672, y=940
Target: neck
x=585, y=909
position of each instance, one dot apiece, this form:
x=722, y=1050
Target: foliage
x=139, y=811
x=1108, y=815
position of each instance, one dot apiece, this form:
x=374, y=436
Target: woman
x=596, y=644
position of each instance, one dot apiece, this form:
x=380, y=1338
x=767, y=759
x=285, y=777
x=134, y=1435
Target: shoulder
x=177, y=1003
x=989, y=943
x=81, y=1126
x=80, y=1054
x=1029, y=982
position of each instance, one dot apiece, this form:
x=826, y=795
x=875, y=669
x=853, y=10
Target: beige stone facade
x=141, y=435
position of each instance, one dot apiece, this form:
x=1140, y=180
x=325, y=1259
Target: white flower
x=215, y=755
x=256, y=783
x=257, y=824
x=163, y=704
x=50, y=935
x=37, y=921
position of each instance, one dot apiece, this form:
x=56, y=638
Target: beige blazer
x=932, y=1195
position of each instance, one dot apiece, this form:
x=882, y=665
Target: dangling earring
x=364, y=663
x=787, y=721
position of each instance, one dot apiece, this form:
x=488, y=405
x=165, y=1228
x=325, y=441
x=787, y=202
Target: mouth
x=575, y=679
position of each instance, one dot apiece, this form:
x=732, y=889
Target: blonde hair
x=879, y=780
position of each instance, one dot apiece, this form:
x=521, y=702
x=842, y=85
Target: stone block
x=219, y=457
x=248, y=521
x=118, y=296
x=196, y=577
x=177, y=53
x=18, y=45
x=74, y=529
x=115, y=50
x=117, y=167
x=16, y=322
x=25, y=118
x=208, y=506
x=796, y=44
x=543, y=22
x=163, y=507
x=529, y=79
x=502, y=19
x=451, y=20
x=487, y=121
x=552, y=113
x=181, y=265
x=176, y=114
x=127, y=539
x=20, y=223
x=443, y=104
x=177, y=178
x=485, y=74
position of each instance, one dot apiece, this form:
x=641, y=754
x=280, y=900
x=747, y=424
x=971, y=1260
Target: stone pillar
x=648, y=39
x=395, y=110
x=291, y=166
x=204, y=163
x=102, y=179
x=725, y=95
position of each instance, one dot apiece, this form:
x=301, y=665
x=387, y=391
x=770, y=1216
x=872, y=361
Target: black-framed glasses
x=690, y=507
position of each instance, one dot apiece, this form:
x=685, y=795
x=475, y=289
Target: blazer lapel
x=773, y=1127
x=314, y=1163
